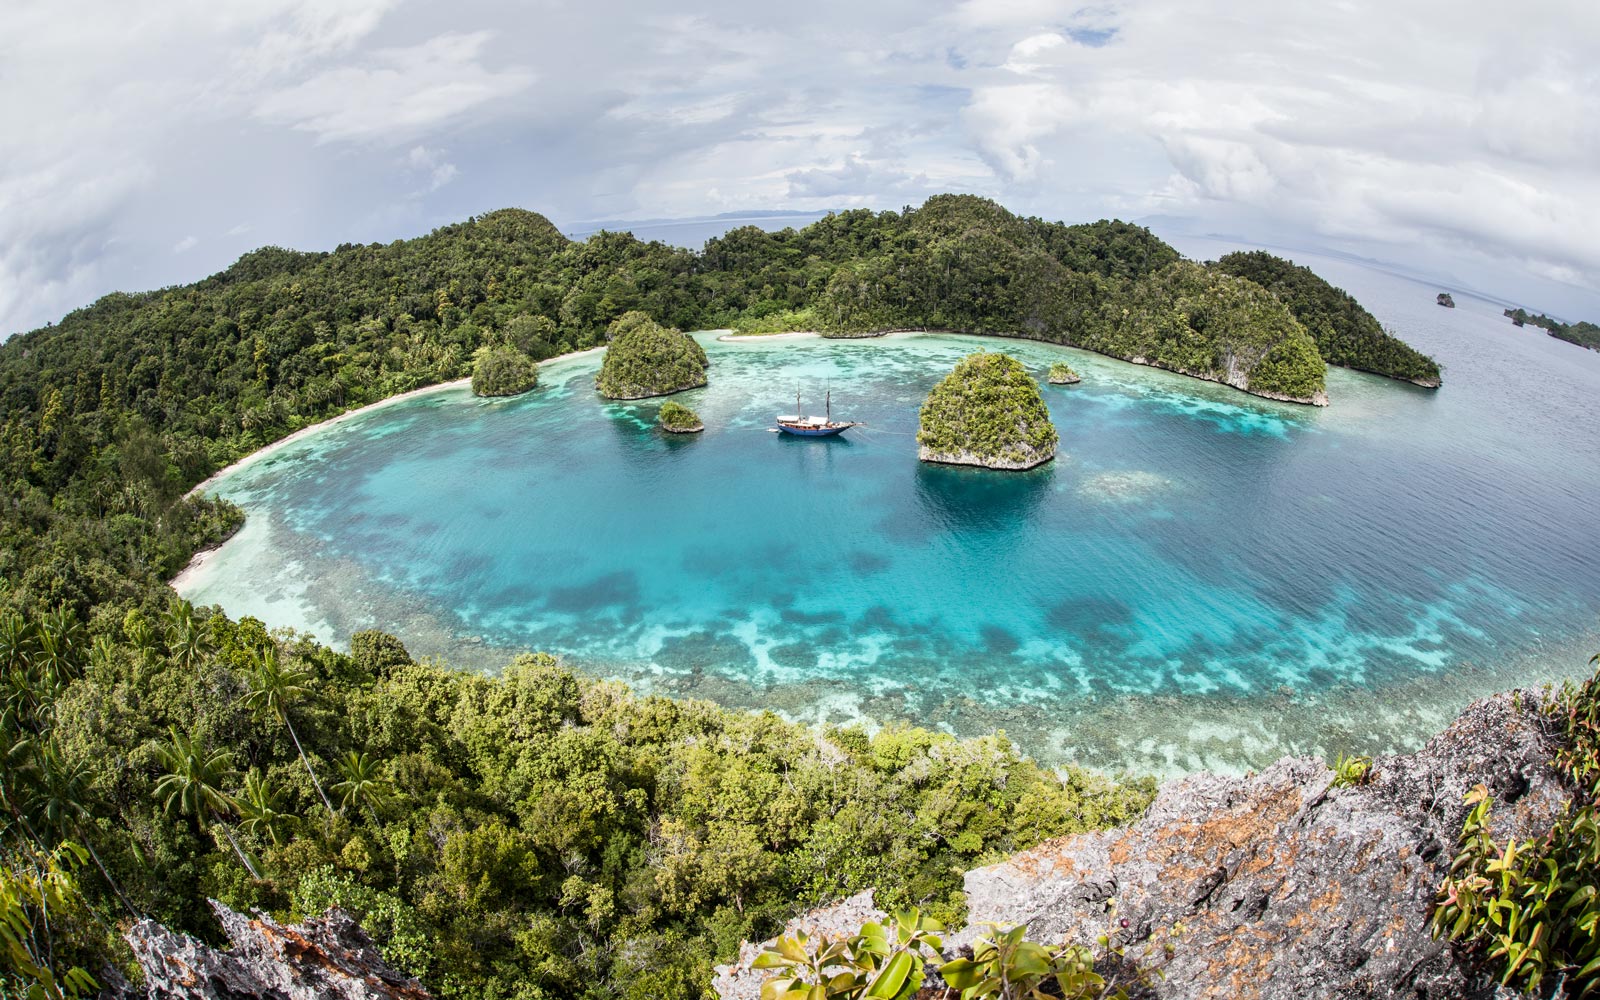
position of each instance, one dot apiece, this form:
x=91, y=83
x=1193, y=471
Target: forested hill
x=1346, y=333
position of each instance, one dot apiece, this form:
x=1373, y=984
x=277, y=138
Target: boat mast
x=798, y=413
x=828, y=403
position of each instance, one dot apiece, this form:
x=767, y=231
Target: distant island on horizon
x=1582, y=333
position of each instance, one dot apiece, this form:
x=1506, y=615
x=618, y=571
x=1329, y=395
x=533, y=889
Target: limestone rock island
x=987, y=412
x=502, y=370
x=647, y=359
x=1062, y=374
x=675, y=418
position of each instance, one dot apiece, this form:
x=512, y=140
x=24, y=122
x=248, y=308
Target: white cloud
x=398, y=94
x=1007, y=121
x=854, y=178
x=1435, y=128
x=1474, y=127
x=186, y=244
x=432, y=165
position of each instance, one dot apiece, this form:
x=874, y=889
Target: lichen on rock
x=326, y=957
x=987, y=412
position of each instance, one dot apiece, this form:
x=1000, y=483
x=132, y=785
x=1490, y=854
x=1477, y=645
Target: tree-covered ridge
x=1191, y=319
x=1583, y=333
x=533, y=835
x=965, y=264
x=986, y=412
x=646, y=359
x=1346, y=334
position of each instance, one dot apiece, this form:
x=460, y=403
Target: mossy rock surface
x=647, y=359
x=676, y=418
x=1062, y=374
x=987, y=412
x=502, y=370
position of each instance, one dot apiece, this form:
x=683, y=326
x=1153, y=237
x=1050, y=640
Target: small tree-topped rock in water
x=502, y=370
x=1061, y=373
x=677, y=419
x=987, y=412
x=647, y=359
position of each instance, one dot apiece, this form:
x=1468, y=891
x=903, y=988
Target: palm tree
x=57, y=653
x=188, y=637
x=17, y=642
x=58, y=804
x=193, y=784
x=361, y=786
x=260, y=804
x=273, y=689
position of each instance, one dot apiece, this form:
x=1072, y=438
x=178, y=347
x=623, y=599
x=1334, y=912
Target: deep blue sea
x=1201, y=579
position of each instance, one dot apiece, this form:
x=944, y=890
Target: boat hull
x=813, y=432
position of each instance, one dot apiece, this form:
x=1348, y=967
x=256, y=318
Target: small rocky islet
x=502, y=370
x=675, y=418
x=1061, y=373
x=645, y=359
x=987, y=412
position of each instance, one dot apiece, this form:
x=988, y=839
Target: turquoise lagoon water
x=1201, y=579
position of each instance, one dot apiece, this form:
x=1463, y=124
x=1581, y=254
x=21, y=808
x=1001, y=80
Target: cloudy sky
x=144, y=144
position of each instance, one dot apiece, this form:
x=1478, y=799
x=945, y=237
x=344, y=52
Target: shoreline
x=198, y=561
x=302, y=433
x=735, y=338
x=1320, y=399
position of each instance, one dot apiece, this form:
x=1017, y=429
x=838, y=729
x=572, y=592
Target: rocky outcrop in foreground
x=326, y=957
x=1279, y=886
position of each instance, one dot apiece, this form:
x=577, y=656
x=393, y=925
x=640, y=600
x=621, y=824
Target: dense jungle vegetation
x=537, y=835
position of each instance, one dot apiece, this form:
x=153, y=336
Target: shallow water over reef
x=1201, y=578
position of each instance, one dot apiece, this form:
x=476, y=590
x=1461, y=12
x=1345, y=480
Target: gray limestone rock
x=1279, y=885
x=1273, y=886
x=326, y=957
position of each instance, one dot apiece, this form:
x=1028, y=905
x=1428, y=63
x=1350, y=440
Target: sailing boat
x=800, y=424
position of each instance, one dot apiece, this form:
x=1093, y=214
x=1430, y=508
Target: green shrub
x=647, y=359
x=1531, y=909
x=886, y=961
x=1349, y=772
x=1061, y=373
x=879, y=961
x=786, y=321
x=502, y=370
x=37, y=888
x=987, y=411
